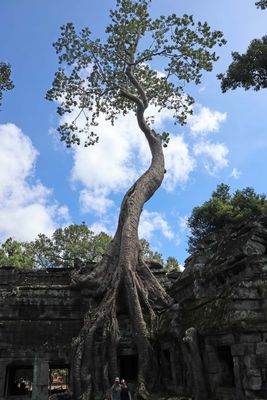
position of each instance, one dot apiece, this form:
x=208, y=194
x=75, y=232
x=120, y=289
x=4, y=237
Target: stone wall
x=39, y=316
x=212, y=340
x=222, y=295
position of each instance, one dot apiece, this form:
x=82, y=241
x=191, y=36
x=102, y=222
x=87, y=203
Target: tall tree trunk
x=122, y=268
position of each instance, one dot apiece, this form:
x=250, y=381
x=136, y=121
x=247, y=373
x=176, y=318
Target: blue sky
x=43, y=185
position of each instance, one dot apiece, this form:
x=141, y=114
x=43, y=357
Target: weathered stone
x=238, y=350
x=254, y=361
x=253, y=383
x=253, y=372
x=250, y=338
x=261, y=348
x=40, y=379
x=222, y=294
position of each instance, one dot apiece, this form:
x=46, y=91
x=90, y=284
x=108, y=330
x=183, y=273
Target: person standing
x=125, y=393
x=116, y=390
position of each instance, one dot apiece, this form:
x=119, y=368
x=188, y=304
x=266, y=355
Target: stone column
x=238, y=379
x=40, y=379
x=2, y=378
x=195, y=364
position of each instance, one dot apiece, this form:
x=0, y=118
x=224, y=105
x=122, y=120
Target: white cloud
x=179, y=163
x=95, y=201
x=122, y=154
x=183, y=222
x=99, y=227
x=110, y=166
x=25, y=207
x=202, y=89
x=151, y=222
x=213, y=155
x=205, y=120
x=119, y=158
x=235, y=173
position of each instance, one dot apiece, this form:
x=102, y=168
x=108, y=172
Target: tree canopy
x=248, y=70
x=60, y=250
x=16, y=254
x=5, y=79
x=67, y=244
x=223, y=209
x=261, y=4
x=115, y=77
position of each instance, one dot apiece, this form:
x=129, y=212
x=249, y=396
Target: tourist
x=125, y=393
x=116, y=390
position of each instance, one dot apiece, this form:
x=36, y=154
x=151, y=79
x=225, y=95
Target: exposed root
x=95, y=349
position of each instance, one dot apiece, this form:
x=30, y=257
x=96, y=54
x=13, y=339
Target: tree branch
x=137, y=85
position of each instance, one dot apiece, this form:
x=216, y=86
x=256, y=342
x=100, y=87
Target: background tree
x=67, y=244
x=5, y=80
x=248, y=70
x=16, y=254
x=60, y=250
x=261, y=4
x=148, y=254
x=64, y=247
x=223, y=209
x=172, y=265
x=116, y=77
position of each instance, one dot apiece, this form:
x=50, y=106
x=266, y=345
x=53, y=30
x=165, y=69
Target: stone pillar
x=40, y=379
x=173, y=367
x=195, y=364
x=238, y=379
x=2, y=378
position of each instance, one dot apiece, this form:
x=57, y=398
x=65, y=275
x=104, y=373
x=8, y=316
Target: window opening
x=19, y=380
x=58, y=379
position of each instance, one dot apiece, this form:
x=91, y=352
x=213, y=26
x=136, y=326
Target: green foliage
x=61, y=250
x=63, y=247
x=148, y=254
x=67, y=244
x=261, y=4
x=248, y=70
x=223, y=209
x=94, y=75
x=5, y=81
x=172, y=265
x=16, y=254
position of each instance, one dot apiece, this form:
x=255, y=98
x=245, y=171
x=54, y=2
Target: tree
x=248, y=70
x=172, y=265
x=67, y=244
x=16, y=254
x=148, y=254
x=5, y=81
x=116, y=77
x=261, y=4
x=60, y=250
x=63, y=248
x=222, y=210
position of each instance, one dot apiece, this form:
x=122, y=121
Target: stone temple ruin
x=212, y=341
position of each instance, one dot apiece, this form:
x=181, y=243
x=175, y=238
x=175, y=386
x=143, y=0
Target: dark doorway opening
x=59, y=377
x=227, y=366
x=128, y=367
x=165, y=368
x=19, y=380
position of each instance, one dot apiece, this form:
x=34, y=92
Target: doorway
x=128, y=367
